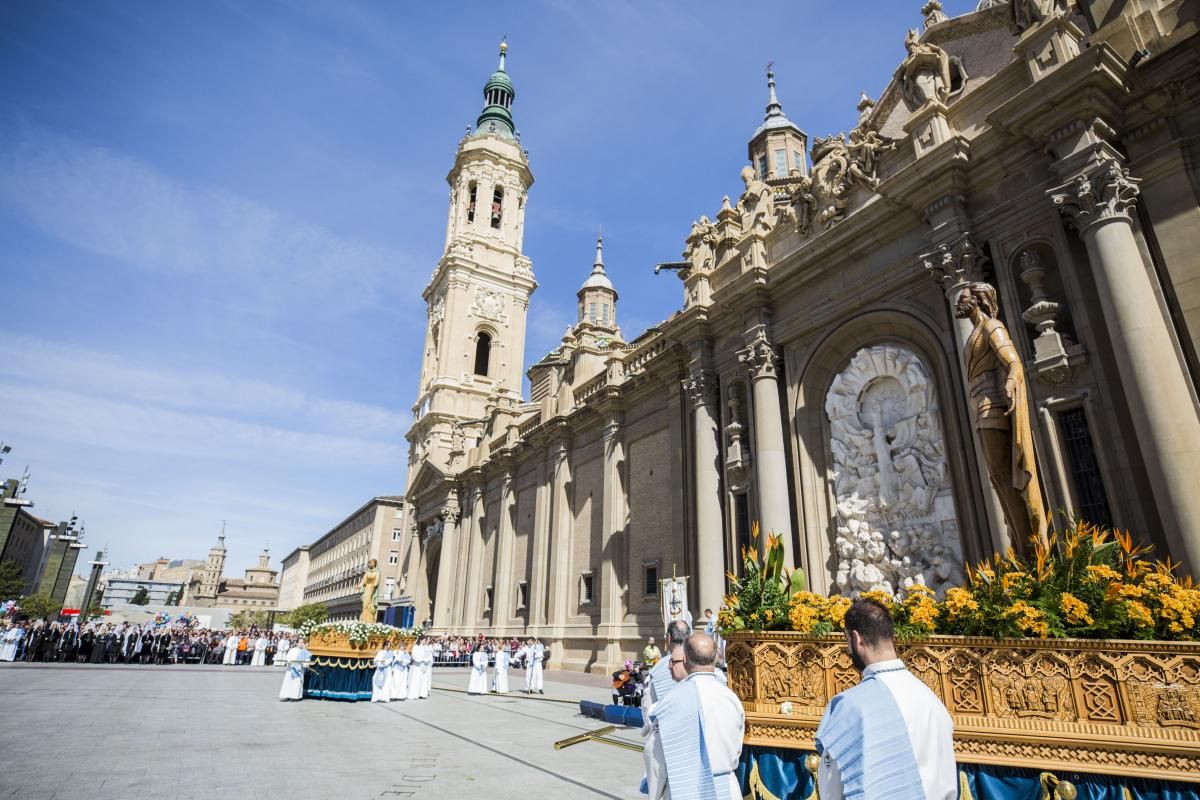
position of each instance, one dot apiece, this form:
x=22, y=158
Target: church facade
x=812, y=379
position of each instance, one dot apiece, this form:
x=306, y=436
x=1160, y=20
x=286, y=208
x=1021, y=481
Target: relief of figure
x=1000, y=407
x=1027, y=13
x=830, y=187
x=925, y=73
x=755, y=203
x=701, y=248
x=864, y=147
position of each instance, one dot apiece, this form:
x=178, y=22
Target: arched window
x=483, y=352
x=471, y=203
x=497, y=206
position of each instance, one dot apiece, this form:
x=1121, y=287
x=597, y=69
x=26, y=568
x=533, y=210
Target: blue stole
x=660, y=677
x=864, y=730
x=381, y=669
x=681, y=733
x=296, y=669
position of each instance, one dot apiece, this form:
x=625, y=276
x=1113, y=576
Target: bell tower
x=478, y=297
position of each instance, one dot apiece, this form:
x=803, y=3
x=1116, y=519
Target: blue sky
x=217, y=219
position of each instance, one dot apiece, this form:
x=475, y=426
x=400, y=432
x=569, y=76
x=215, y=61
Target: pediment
x=427, y=478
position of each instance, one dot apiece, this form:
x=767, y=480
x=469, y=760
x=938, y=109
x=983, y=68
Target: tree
x=249, y=619
x=11, y=581
x=315, y=613
x=39, y=606
x=174, y=597
x=141, y=597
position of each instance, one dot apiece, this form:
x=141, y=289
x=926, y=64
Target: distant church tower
x=478, y=297
x=210, y=581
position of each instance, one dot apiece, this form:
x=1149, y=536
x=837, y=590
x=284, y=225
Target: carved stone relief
x=489, y=304
x=896, y=523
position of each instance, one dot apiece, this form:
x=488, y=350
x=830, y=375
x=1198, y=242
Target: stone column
x=701, y=387
x=473, y=585
x=563, y=522
x=952, y=266
x=503, y=601
x=539, y=580
x=762, y=362
x=1097, y=202
x=446, y=589
x=614, y=518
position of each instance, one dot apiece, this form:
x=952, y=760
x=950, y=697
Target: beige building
x=328, y=570
x=205, y=585
x=812, y=378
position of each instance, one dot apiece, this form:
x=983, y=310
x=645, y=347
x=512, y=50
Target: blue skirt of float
x=345, y=679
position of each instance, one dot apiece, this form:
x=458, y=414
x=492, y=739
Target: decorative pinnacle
x=503, y=50
x=598, y=265
x=774, y=109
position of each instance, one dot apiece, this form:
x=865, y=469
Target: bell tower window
x=497, y=206
x=483, y=352
x=471, y=202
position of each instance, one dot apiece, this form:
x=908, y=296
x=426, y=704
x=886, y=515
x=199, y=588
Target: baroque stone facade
x=813, y=377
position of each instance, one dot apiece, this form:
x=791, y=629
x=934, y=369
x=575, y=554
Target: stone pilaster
x=702, y=391
x=473, y=586
x=446, y=589
x=614, y=522
x=1097, y=201
x=503, y=599
x=762, y=363
x=540, y=578
x=563, y=516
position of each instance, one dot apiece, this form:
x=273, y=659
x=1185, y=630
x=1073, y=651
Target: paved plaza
x=127, y=732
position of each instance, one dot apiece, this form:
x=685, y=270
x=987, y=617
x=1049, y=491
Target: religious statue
x=996, y=382
x=755, y=203
x=925, y=73
x=368, y=586
x=702, y=245
x=864, y=147
x=1027, y=13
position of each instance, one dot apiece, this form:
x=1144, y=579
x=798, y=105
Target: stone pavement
x=129, y=732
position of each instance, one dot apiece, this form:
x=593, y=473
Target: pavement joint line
x=503, y=754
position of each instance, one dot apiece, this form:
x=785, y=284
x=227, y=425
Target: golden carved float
x=337, y=644
x=1129, y=708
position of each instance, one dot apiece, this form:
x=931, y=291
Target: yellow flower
x=835, y=610
x=804, y=618
x=921, y=606
x=1075, y=609
x=1102, y=572
x=1138, y=614
x=879, y=596
x=960, y=603
x=1011, y=581
x=770, y=614
x=1180, y=607
x=1029, y=619
x=1158, y=582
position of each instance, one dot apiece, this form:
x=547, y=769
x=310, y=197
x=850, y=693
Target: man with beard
x=889, y=736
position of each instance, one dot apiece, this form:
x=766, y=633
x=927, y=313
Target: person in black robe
x=86, y=640
x=48, y=646
x=68, y=645
x=129, y=644
x=112, y=647
x=162, y=653
x=33, y=641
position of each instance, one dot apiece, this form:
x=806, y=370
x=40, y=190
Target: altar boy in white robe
x=534, y=653
x=414, y=670
x=380, y=691
x=426, y=670
x=889, y=736
x=293, y=679
x=12, y=640
x=281, y=651
x=399, y=672
x=699, y=732
x=479, y=664
x=231, y=646
x=260, y=651
x=500, y=678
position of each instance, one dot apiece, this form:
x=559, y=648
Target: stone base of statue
x=1117, y=714
x=343, y=662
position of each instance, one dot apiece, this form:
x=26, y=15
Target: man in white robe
x=479, y=663
x=535, y=652
x=399, y=672
x=260, y=651
x=12, y=640
x=889, y=736
x=293, y=678
x=426, y=670
x=659, y=682
x=380, y=691
x=500, y=678
x=281, y=651
x=700, y=725
x=415, y=676
x=231, y=646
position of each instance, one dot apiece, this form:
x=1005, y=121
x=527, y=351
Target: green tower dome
x=498, y=94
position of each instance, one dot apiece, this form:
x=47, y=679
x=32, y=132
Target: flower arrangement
x=161, y=618
x=1085, y=583
x=358, y=633
x=758, y=600
x=187, y=619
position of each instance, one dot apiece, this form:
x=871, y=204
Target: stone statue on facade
x=368, y=587
x=1001, y=411
x=924, y=74
x=701, y=249
x=864, y=148
x=755, y=203
x=1027, y=13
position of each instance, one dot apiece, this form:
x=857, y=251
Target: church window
x=650, y=579
x=522, y=595
x=483, y=353
x=604, y=313
x=780, y=163
x=585, y=588
x=393, y=557
x=1085, y=468
x=497, y=206
x=471, y=202
x=396, y=534
x=797, y=160
x=592, y=312
x=741, y=521
x=487, y=599
x=762, y=166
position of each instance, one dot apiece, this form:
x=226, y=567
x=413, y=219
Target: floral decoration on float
x=354, y=639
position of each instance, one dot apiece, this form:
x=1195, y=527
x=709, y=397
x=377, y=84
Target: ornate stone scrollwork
x=701, y=387
x=924, y=74
x=489, y=304
x=523, y=268
x=737, y=460
x=1103, y=193
x=451, y=513
x=896, y=523
x=760, y=358
x=954, y=265
x=437, y=309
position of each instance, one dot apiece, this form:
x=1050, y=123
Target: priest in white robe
x=479, y=664
x=12, y=640
x=889, y=736
x=260, y=651
x=293, y=679
x=281, y=651
x=398, y=674
x=415, y=675
x=500, y=676
x=380, y=691
x=426, y=670
x=699, y=728
x=534, y=653
x=231, y=646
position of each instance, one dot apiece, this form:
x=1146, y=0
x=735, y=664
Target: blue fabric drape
x=773, y=773
x=349, y=684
